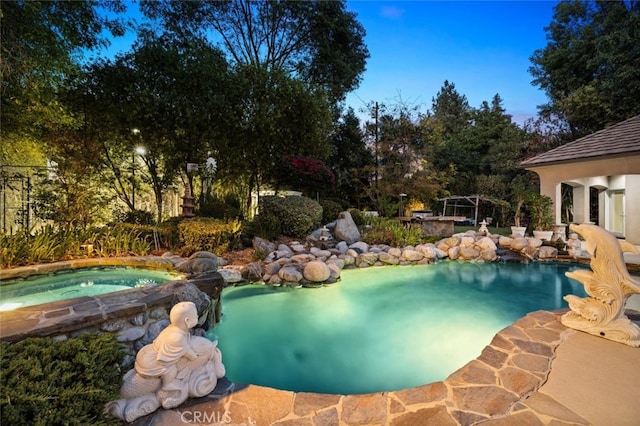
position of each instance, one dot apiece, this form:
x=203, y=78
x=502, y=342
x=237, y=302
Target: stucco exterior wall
x=632, y=209
x=605, y=174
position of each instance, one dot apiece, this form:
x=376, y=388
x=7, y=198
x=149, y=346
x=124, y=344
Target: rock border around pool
x=305, y=265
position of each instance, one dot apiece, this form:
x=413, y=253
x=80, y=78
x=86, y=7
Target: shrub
x=293, y=216
x=47, y=382
x=263, y=225
x=206, y=234
x=330, y=210
x=169, y=233
x=218, y=208
x=137, y=217
x=393, y=233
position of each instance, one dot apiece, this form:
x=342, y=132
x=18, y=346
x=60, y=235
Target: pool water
x=77, y=283
x=380, y=329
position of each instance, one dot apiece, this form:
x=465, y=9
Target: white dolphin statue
x=609, y=286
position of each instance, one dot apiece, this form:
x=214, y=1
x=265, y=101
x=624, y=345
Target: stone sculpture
x=176, y=366
x=483, y=228
x=609, y=286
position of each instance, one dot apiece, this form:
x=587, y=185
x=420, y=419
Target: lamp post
x=140, y=151
x=401, y=198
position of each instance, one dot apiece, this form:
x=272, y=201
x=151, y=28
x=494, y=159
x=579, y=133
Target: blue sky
x=483, y=47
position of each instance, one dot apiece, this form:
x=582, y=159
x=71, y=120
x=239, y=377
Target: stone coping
x=55, y=318
x=147, y=262
x=500, y=387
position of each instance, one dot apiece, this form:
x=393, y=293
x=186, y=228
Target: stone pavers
x=503, y=386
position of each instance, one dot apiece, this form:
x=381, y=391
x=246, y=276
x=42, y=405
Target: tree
x=478, y=150
x=168, y=96
x=39, y=45
x=42, y=43
x=403, y=167
x=274, y=115
x=350, y=159
x=317, y=41
x=309, y=175
x=450, y=114
x=491, y=149
x=450, y=109
x=590, y=67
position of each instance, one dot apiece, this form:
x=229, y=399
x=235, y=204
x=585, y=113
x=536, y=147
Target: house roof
x=619, y=139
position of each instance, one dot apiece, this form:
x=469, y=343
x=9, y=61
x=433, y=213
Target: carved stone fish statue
x=609, y=286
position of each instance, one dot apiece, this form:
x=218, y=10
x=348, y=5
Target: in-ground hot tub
x=70, y=284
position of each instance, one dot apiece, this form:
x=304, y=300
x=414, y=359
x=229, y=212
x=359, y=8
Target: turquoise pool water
x=76, y=283
x=380, y=329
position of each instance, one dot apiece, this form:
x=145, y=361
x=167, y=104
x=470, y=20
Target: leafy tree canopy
x=271, y=112
x=318, y=41
x=40, y=44
x=350, y=159
x=166, y=96
x=590, y=68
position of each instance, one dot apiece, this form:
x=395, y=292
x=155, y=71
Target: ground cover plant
x=47, y=382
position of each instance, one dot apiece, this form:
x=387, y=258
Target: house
x=607, y=161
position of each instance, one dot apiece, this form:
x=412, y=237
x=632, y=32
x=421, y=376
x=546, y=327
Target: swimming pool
x=380, y=329
x=70, y=284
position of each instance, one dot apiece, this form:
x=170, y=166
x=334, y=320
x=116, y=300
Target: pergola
x=466, y=203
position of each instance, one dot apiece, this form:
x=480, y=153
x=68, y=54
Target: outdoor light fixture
x=140, y=150
x=401, y=198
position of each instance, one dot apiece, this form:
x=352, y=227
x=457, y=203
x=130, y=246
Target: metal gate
x=16, y=199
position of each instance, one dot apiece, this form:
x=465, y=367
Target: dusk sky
x=483, y=47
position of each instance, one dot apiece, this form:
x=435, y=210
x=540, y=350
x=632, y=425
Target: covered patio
x=606, y=165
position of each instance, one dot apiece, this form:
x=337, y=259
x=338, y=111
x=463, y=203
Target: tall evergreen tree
x=450, y=110
x=450, y=115
x=350, y=159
